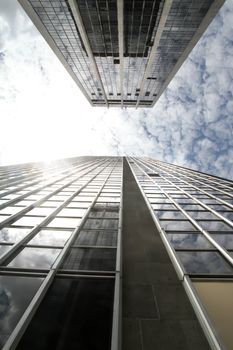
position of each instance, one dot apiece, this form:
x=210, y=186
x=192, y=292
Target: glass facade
x=60, y=247
x=60, y=242
x=156, y=38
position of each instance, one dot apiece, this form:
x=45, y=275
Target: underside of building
x=122, y=52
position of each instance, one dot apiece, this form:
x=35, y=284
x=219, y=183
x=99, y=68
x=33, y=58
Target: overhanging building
x=96, y=252
x=122, y=53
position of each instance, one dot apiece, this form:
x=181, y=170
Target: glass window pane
x=50, y=237
x=98, y=238
x=37, y=258
x=72, y=212
x=189, y=241
x=101, y=224
x=10, y=210
x=225, y=240
x=64, y=223
x=40, y=211
x=215, y=226
x=12, y=234
x=74, y=204
x=80, y=316
x=177, y=225
x=15, y=295
x=161, y=214
x=93, y=259
x=204, y=262
x=4, y=248
x=202, y=215
x=28, y=221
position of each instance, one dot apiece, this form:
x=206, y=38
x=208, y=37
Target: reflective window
x=37, y=258
x=94, y=259
x=74, y=204
x=202, y=215
x=72, y=212
x=15, y=295
x=12, y=234
x=3, y=217
x=64, y=223
x=101, y=223
x=98, y=238
x=189, y=241
x=204, y=262
x=40, y=211
x=225, y=240
x=10, y=210
x=28, y=221
x=215, y=226
x=162, y=214
x=50, y=237
x=4, y=249
x=75, y=314
x=103, y=214
x=177, y=225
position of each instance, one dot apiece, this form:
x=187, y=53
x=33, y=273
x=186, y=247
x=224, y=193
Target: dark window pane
x=225, y=240
x=189, y=241
x=202, y=215
x=177, y=225
x=98, y=238
x=75, y=314
x=162, y=214
x=90, y=259
x=15, y=295
x=215, y=226
x=103, y=214
x=204, y=262
x=101, y=224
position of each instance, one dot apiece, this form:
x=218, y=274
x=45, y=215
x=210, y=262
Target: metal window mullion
x=36, y=228
x=25, y=177
x=116, y=323
x=202, y=183
x=14, y=217
x=229, y=222
x=183, y=170
x=78, y=19
x=111, y=39
x=161, y=25
x=223, y=251
x=35, y=302
x=103, y=39
x=37, y=181
x=129, y=49
x=138, y=40
x=120, y=28
x=15, y=200
x=147, y=38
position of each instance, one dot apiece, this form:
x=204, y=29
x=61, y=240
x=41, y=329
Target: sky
x=44, y=116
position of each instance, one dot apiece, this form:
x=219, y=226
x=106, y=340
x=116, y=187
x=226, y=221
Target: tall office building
x=122, y=53
x=96, y=252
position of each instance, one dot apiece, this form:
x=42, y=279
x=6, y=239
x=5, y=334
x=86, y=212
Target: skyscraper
x=122, y=53
x=99, y=251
